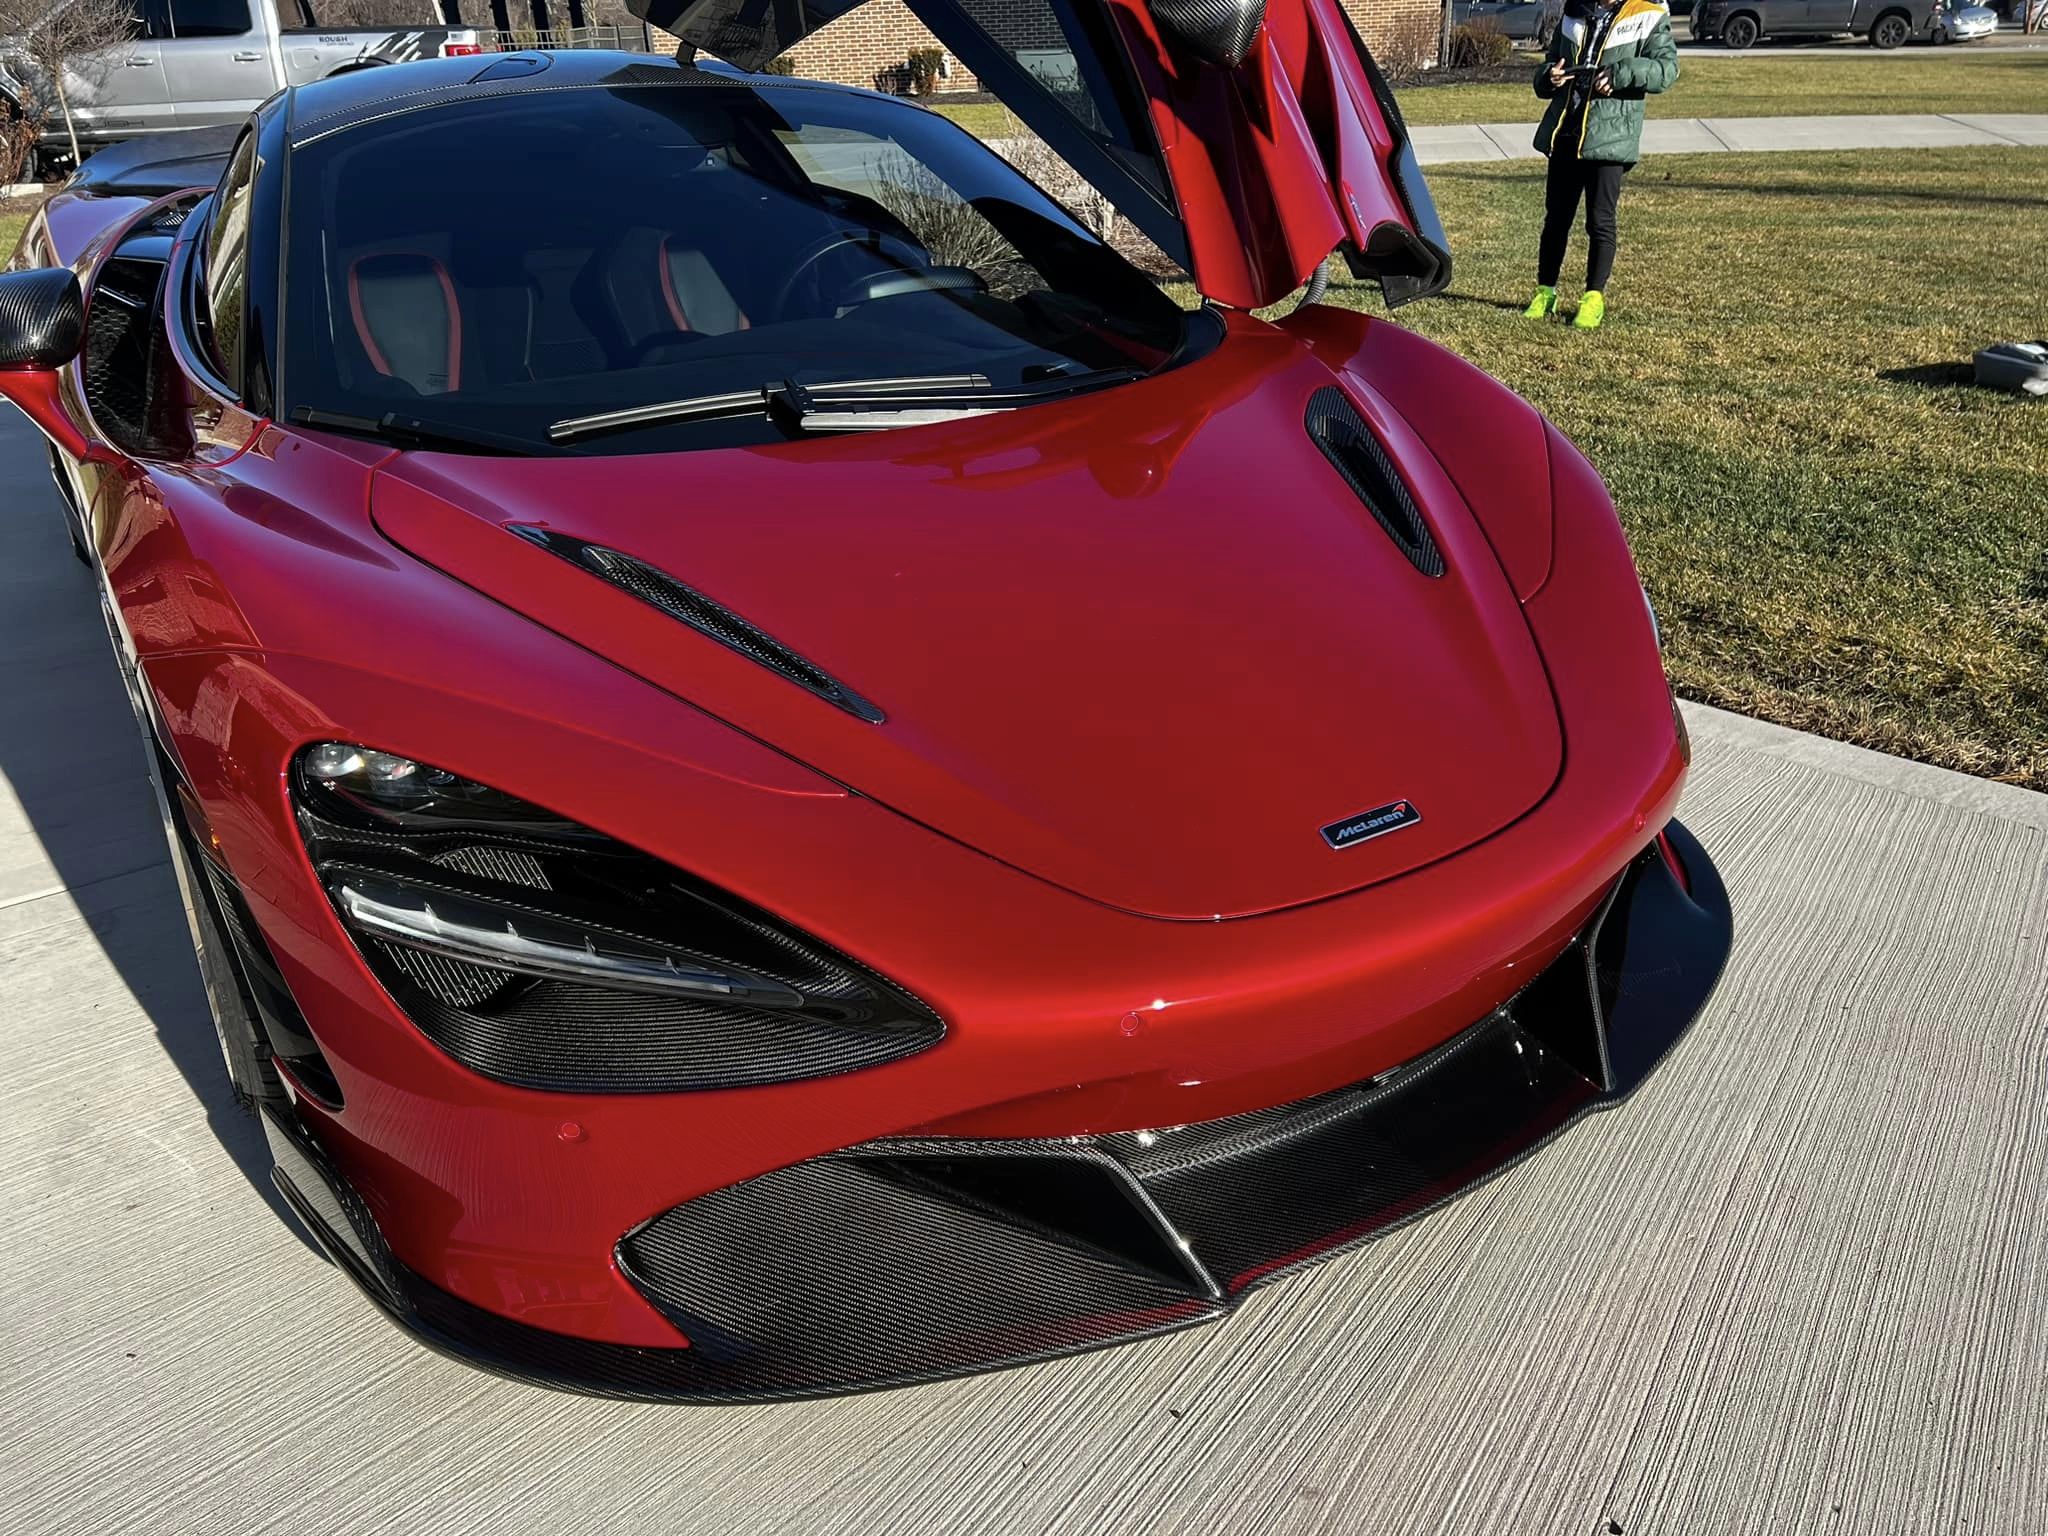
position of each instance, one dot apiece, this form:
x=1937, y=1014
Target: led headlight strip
x=541, y=952
x=532, y=944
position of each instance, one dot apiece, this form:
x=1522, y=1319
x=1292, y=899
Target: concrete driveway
x=1798, y=1284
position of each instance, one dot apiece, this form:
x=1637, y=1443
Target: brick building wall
x=870, y=45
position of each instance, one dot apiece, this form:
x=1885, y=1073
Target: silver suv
x=203, y=63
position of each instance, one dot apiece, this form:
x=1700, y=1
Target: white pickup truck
x=202, y=63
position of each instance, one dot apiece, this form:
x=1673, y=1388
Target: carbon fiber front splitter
x=908, y=1260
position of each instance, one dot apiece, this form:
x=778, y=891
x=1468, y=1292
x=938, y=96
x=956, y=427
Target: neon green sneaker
x=1542, y=306
x=1592, y=310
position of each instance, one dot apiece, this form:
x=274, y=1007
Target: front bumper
x=911, y=1259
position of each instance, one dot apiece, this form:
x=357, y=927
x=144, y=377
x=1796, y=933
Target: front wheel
x=1891, y=30
x=1739, y=32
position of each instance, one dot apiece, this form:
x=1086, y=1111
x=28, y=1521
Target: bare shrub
x=924, y=68
x=1042, y=165
x=19, y=132
x=1404, y=47
x=946, y=225
x=1480, y=44
x=62, y=48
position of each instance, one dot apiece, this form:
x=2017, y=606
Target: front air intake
x=708, y=617
x=1347, y=442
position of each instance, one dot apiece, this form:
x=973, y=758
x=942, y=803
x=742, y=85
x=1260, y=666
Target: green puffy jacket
x=1640, y=58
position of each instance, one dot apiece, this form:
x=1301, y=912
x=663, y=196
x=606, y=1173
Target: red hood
x=1144, y=644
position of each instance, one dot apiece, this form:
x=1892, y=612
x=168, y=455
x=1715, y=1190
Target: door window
x=209, y=18
x=224, y=277
x=1069, y=53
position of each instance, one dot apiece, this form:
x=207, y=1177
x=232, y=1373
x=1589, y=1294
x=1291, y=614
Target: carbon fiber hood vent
x=1347, y=442
x=660, y=590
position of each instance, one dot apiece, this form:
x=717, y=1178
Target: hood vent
x=1347, y=442
x=661, y=590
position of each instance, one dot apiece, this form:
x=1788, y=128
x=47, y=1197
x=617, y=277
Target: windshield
x=502, y=267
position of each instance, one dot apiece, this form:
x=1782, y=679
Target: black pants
x=1599, y=183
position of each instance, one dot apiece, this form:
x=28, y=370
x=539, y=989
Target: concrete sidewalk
x=1798, y=1283
x=1725, y=135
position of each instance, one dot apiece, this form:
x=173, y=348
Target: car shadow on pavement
x=70, y=754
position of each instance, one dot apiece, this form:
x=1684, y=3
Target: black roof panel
x=348, y=101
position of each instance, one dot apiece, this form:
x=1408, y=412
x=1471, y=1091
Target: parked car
x=201, y=63
x=1964, y=23
x=1886, y=23
x=1522, y=20
x=788, y=778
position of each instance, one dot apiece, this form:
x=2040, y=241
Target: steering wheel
x=825, y=245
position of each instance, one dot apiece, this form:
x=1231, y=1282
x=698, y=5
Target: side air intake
x=1347, y=442
x=660, y=590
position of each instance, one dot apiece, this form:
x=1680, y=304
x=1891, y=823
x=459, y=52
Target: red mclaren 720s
x=788, y=777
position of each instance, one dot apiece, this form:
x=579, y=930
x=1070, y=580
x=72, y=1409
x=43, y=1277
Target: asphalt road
x=1798, y=1284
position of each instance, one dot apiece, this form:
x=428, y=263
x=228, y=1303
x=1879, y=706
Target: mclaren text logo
x=1367, y=825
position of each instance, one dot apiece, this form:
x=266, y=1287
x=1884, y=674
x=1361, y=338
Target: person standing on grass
x=1603, y=59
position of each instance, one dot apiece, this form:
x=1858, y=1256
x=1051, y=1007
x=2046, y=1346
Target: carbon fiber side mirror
x=42, y=318
x=1220, y=31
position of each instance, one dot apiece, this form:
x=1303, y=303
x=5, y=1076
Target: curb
x=1923, y=781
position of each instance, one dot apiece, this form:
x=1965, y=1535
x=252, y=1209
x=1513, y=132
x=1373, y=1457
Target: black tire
x=1890, y=30
x=1740, y=31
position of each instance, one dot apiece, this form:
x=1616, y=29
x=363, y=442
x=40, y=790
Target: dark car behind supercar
x=789, y=779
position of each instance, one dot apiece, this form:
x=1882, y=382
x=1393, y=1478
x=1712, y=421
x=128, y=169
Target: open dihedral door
x=1247, y=138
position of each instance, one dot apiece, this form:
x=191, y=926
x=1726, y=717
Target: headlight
x=1650, y=608
x=542, y=953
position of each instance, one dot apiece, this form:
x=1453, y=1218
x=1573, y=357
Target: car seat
x=408, y=318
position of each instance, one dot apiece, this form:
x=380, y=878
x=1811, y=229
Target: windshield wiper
x=845, y=405
x=412, y=432
x=779, y=394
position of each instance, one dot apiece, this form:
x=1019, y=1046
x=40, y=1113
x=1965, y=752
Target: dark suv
x=1887, y=23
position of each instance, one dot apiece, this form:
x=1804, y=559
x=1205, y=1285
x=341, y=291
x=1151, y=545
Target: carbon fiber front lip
x=913, y=1260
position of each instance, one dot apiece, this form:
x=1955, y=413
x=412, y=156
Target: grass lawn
x=1838, y=534
x=1924, y=80
x=11, y=225
x=985, y=120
